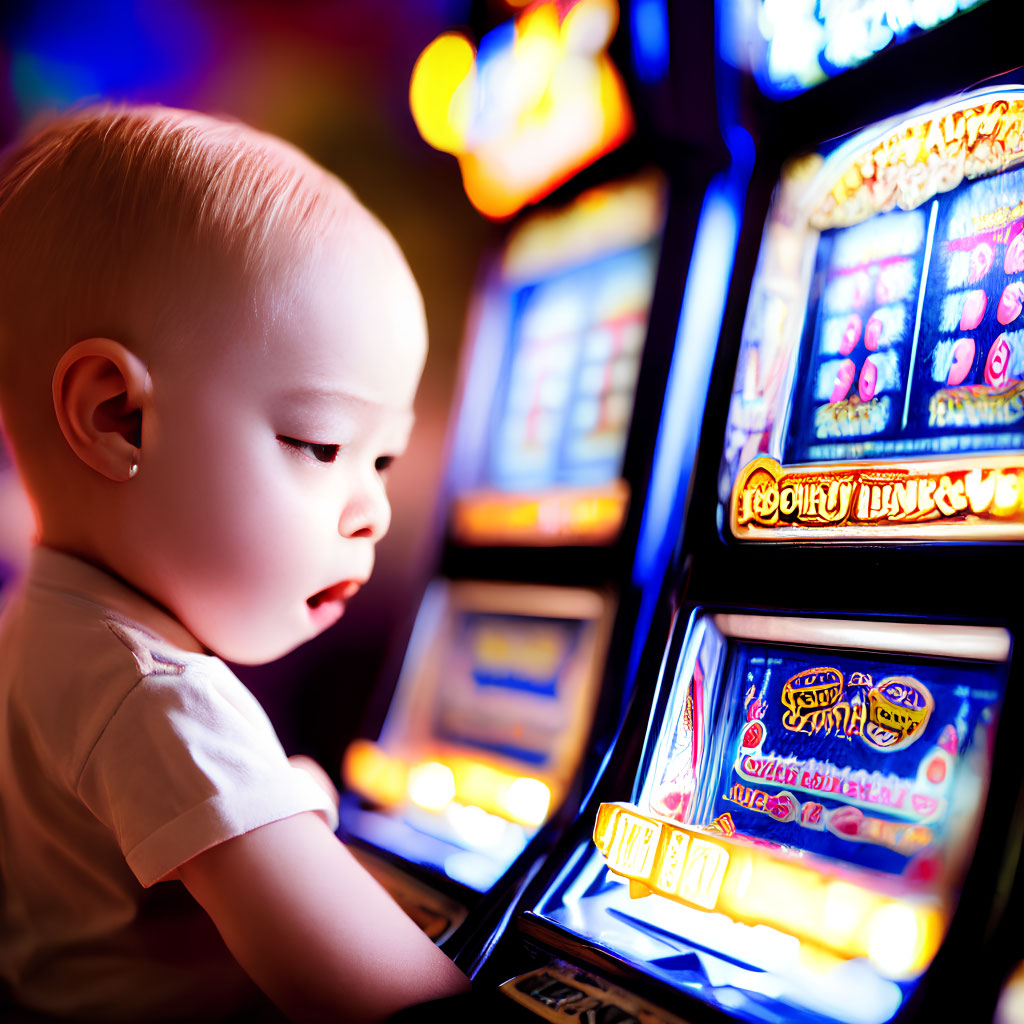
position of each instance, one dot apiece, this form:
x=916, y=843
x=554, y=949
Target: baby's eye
x=320, y=452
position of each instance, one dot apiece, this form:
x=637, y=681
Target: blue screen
x=857, y=758
x=914, y=340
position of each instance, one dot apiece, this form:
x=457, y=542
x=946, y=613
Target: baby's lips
x=343, y=591
x=963, y=360
x=851, y=335
x=974, y=309
x=1009, y=303
x=844, y=380
x=868, y=380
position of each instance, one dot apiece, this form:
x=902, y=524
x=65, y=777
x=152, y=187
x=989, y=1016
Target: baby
x=208, y=357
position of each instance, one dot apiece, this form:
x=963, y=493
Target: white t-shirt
x=124, y=751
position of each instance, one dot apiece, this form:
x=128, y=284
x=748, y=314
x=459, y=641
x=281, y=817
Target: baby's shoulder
x=150, y=654
x=67, y=684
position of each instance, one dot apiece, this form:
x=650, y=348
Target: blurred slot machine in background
x=16, y=524
x=521, y=656
x=813, y=810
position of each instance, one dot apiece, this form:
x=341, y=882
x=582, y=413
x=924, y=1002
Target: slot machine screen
x=486, y=729
x=549, y=397
x=807, y=805
x=880, y=387
x=571, y=372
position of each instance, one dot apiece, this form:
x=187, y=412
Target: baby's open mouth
x=343, y=591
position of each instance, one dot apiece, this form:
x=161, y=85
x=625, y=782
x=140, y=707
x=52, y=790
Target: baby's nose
x=367, y=513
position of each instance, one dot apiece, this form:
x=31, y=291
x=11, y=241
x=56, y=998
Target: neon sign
x=538, y=100
x=884, y=501
x=879, y=391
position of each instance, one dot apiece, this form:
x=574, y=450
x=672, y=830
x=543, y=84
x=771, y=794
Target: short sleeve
x=189, y=760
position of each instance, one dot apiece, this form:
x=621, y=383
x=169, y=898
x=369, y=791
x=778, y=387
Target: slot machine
x=813, y=810
x=16, y=524
x=521, y=654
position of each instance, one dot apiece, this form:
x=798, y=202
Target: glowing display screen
x=547, y=406
x=880, y=383
x=851, y=757
x=570, y=376
x=916, y=344
x=507, y=689
x=486, y=729
x=809, y=787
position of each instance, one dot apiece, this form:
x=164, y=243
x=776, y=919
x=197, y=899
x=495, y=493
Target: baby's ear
x=100, y=392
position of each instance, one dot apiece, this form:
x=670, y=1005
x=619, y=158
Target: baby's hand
x=317, y=774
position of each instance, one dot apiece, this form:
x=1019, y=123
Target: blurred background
x=332, y=77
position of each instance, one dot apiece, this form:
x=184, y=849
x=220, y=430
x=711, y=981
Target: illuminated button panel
x=657, y=856
x=847, y=913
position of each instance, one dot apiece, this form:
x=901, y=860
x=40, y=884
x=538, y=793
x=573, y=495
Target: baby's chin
x=260, y=635
x=257, y=650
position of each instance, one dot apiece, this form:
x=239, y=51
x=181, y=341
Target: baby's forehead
x=358, y=256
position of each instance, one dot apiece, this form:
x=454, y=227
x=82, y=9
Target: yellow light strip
x=562, y=516
x=756, y=885
x=370, y=771
x=433, y=782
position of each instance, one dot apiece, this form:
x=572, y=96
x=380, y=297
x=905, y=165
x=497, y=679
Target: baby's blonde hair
x=116, y=220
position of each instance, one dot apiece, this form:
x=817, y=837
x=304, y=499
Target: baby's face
x=263, y=472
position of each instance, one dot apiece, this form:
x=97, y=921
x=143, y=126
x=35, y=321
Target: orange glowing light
x=440, y=91
x=431, y=785
x=553, y=103
x=981, y=496
x=438, y=782
x=562, y=516
x=370, y=771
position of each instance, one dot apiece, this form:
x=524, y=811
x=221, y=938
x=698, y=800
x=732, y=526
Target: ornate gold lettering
x=877, y=496
x=925, y=490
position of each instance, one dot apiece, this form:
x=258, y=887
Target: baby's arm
x=317, y=774
x=312, y=928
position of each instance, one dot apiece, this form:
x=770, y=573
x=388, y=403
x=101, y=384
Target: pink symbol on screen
x=997, y=365
x=982, y=258
x=851, y=335
x=1013, y=262
x=1010, y=302
x=873, y=333
x=844, y=380
x=868, y=381
x=963, y=360
x=974, y=309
